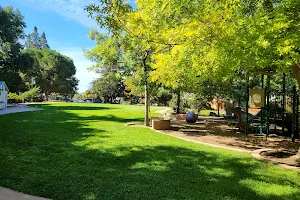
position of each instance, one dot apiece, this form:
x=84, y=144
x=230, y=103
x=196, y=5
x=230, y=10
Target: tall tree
x=88, y=94
x=28, y=41
x=52, y=71
x=110, y=64
x=43, y=43
x=117, y=56
x=136, y=50
x=35, y=41
x=138, y=54
x=35, y=38
x=11, y=31
x=109, y=86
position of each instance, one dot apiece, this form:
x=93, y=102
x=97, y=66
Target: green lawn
x=84, y=151
x=207, y=112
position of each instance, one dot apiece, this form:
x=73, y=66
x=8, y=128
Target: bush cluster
x=32, y=95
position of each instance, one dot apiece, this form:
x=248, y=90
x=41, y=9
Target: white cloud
x=70, y=9
x=82, y=64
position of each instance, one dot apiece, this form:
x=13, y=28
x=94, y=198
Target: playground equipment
x=270, y=111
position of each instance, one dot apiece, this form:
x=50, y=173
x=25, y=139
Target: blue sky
x=66, y=25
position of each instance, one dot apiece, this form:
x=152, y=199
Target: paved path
x=8, y=194
x=18, y=108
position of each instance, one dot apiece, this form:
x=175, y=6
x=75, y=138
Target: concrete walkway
x=18, y=108
x=8, y=194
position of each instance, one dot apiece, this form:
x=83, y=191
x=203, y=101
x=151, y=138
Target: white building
x=3, y=95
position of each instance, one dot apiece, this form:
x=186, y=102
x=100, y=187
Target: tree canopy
x=190, y=44
x=11, y=31
x=47, y=69
x=52, y=71
x=195, y=38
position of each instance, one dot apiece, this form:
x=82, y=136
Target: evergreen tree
x=35, y=41
x=35, y=38
x=28, y=41
x=43, y=43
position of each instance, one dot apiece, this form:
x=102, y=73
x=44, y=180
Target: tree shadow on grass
x=107, y=117
x=112, y=118
x=46, y=155
x=72, y=106
x=168, y=172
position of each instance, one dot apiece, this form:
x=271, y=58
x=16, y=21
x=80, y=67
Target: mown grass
x=84, y=151
x=207, y=112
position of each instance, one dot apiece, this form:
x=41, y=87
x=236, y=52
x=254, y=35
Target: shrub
x=189, y=101
x=141, y=101
x=32, y=95
x=14, y=98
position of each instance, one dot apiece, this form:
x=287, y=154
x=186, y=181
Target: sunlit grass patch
x=84, y=151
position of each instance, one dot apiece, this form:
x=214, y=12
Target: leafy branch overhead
x=194, y=38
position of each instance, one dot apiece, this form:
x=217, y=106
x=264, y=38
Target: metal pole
x=268, y=106
x=262, y=108
x=218, y=103
x=297, y=114
x=283, y=102
x=247, y=106
x=178, y=102
x=294, y=113
x=240, y=93
x=275, y=113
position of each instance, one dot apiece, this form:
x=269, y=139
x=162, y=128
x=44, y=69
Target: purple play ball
x=190, y=117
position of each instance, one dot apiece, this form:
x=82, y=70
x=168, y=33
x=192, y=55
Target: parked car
x=88, y=100
x=67, y=100
x=116, y=101
x=97, y=100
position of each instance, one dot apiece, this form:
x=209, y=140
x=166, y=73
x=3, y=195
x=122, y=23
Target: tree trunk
x=146, y=120
x=178, y=102
x=47, y=96
x=296, y=73
x=146, y=76
x=218, y=104
x=149, y=104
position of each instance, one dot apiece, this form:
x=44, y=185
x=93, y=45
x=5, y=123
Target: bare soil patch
x=281, y=157
x=216, y=131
